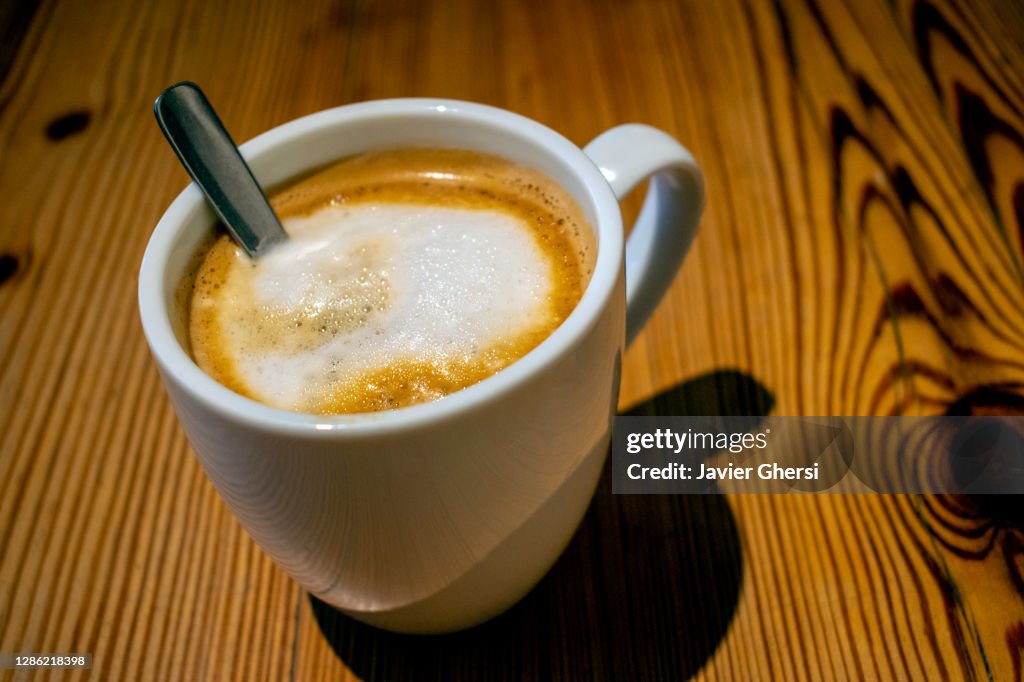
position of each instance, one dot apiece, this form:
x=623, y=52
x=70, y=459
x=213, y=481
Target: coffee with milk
x=408, y=275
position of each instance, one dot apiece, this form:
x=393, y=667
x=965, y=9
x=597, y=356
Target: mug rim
x=178, y=366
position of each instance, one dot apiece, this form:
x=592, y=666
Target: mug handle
x=663, y=231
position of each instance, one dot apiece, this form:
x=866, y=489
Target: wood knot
x=67, y=125
x=9, y=265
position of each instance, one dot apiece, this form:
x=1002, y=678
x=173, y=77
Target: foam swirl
x=386, y=295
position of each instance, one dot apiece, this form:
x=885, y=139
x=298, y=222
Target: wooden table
x=862, y=252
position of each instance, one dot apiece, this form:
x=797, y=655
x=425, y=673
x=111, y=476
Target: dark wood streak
x=952, y=604
x=952, y=299
x=910, y=197
x=904, y=301
x=15, y=18
x=839, y=128
x=997, y=54
x=1015, y=643
x=1018, y=214
x=893, y=509
x=976, y=121
x=903, y=370
x=891, y=600
x=826, y=32
x=796, y=96
x=985, y=530
x=842, y=129
x=926, y=19
x=962, y=508
x=904, y=550
x=844, y=610
x=1013, y=552
x=800, y=90
x=777, y=163
x=857, y=555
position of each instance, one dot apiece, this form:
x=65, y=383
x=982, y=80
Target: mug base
x=509, y=571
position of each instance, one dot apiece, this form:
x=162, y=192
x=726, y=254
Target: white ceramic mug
x=438, y=516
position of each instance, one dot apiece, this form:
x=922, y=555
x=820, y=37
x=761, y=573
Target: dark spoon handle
x=212, y=159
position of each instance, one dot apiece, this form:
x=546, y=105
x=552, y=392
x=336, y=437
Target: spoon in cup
x=211, y=158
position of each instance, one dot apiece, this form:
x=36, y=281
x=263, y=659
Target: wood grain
x=862, y=252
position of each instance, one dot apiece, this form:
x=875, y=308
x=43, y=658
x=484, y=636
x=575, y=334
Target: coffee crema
x=408, y=275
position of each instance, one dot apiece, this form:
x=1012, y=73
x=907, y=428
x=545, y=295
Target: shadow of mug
x=649, y=584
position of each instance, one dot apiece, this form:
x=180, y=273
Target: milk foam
x=410, y=273
x=357, y=289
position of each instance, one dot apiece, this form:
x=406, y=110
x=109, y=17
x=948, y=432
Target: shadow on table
x=648, y=586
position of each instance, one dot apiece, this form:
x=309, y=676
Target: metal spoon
x=212, y=159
